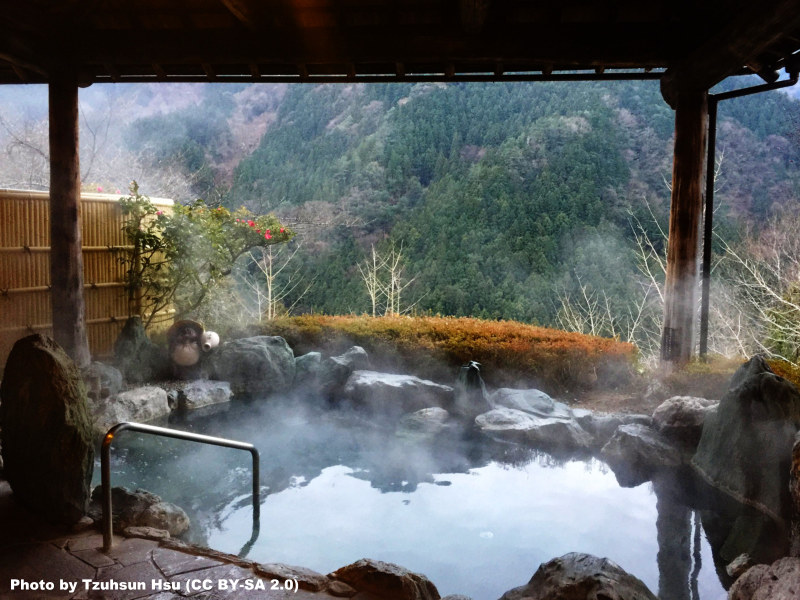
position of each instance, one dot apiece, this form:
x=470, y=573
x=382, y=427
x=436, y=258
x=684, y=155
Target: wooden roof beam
x=244, y=13
x=756, y=27
x=473, y=14
x=19, y=54
x=161, y=74
x=21, y=73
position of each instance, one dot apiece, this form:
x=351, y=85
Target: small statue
x=186, y=341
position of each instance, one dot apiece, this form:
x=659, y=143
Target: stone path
x=35, y=556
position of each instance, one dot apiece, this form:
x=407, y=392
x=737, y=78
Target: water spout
x=471, y=398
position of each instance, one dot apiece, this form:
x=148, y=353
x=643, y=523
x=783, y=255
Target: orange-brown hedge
x=511, y=353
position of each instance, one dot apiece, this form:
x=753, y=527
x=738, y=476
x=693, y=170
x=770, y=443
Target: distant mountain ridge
x=499, y=194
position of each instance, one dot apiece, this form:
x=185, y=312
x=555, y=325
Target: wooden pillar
x=66, y=258
x=686, y=208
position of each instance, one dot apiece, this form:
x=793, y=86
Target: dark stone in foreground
x=779, y=581
x=47, y=431
x=746, y=447
x=578, y=576
x=386, y=581
x=140, y=509
x=254, y=366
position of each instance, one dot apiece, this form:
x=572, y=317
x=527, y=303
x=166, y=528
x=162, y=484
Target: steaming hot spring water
x=475, y=516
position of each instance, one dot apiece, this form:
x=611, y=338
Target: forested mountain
x=502, y=198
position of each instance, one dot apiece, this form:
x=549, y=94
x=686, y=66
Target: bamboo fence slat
x=25, y=268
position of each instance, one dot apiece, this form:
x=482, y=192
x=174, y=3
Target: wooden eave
x=699, y=42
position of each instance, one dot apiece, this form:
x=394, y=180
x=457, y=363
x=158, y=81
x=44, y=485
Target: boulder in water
x=530, y=401
x=602, y=426
x=254, y=366
x=387, y=581
x=140, y=405
x=578, y=576
x=101, y=380
x=392, y=395
x=745, y=449
x=334, y=372
x=140, y=509
x=778, y=581
x=681, y=419
x=636, y=452
x=424, y=424
x=542, y=433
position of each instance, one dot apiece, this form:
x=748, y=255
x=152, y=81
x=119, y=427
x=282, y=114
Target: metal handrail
x=105, y=467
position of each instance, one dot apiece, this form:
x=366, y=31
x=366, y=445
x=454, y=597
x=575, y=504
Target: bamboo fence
x=25, y=268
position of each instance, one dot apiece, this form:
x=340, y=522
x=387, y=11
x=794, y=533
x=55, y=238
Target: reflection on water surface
x=475, y=517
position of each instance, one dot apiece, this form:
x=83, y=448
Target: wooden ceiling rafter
x=746, y=37
x=696, y=42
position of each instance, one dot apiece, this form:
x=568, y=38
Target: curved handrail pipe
x=105, y=467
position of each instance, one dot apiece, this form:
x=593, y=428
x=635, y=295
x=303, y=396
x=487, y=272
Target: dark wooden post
x=66, y=258
x=686, y=209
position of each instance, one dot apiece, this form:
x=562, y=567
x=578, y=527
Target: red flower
x=268, y=231
x=282, y=229
x=268, y=236
x=258, y=231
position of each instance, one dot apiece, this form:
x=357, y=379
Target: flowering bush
x=177, y=257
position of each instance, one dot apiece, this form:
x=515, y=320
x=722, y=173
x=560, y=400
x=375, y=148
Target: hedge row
x=511, y=353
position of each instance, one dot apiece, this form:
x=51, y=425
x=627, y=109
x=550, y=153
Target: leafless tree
x=385, y=280
x=278, y=278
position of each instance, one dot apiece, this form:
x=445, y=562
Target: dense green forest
x=500, y=195
x=498, y=200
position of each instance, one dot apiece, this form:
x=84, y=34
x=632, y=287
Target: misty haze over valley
x=539, y=202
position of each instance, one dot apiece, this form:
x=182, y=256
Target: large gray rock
x=424, y=424
x=48, y=451
x=141, y=509
x=334, y=371
x=392, y=395
x=544, y=433
x=200, y=392
x=681, y=418
x=577, y=576
x=386, y=581
x=778, y=581
x=138, y=359
x=255, y=366
x=139, y=405
x=636, y=452
x=101, y=380
x=746, y=446
x=531, y=401
x=601, y=426
x=307, y=369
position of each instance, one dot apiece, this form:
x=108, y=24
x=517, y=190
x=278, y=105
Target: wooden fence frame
x=25, y=272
